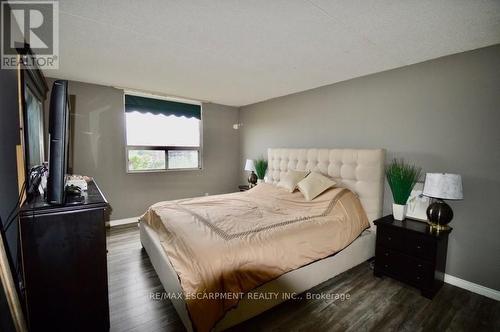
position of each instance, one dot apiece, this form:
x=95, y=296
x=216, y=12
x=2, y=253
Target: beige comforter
x=224, y=245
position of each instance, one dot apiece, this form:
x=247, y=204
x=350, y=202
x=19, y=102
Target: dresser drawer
x=420, y=246
x=422, y=272
x=404, y=267
x=388, y=261
x=390, y=238
x=410, y=243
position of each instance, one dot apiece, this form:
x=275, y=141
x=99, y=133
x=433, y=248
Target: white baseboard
x=126, y=221
x=470, y=286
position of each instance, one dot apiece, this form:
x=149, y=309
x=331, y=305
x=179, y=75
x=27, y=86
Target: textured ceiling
x=242, y=52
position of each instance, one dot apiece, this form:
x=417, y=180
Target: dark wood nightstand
x=243, y=187
x=408, y=251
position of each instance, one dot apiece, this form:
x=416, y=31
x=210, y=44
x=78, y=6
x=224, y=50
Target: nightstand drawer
x=390, y=238
x=410, y=243
x=420, y=246
x=420, y=273
x=404, y=267
x=390, y=262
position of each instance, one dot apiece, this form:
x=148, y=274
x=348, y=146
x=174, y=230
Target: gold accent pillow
x=291, y=178
x=314, y=184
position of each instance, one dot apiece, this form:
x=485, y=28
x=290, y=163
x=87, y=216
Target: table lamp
x=249, y=166
x=441, y=186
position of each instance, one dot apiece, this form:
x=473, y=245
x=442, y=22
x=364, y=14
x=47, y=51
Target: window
x=162, y=134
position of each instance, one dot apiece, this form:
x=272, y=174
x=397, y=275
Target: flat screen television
x=58, y=142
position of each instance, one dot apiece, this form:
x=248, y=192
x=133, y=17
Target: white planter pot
x=260, y=180
x=399, y=211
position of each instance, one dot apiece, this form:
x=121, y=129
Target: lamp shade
x=249, y=166
x=443, y=186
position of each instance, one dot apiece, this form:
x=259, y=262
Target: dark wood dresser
x=64, y=263
x=408, y=251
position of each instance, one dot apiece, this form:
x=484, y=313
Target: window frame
x=166, y=148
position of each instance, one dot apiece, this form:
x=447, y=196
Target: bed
x=358, y=171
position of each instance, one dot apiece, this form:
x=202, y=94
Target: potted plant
x=260, y=169
x=402, y=178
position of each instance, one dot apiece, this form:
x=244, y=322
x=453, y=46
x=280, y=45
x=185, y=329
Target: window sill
x=165, y=170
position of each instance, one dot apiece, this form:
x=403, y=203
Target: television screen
x=34, y=129
x=58, y=142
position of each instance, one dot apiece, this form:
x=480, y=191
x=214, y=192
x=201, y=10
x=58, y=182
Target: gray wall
x=443, y=115
x=99, y=151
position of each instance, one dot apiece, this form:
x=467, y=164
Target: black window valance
x=160, y=106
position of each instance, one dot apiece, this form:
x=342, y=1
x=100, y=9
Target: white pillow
x=314, y=184
x=291, y=178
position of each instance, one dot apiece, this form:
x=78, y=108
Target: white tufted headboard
x=360, y=170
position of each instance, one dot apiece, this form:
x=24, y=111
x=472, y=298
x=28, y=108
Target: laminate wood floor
x=374, y=305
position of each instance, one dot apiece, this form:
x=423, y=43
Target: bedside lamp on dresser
x=250, y=167
x=441, y=186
